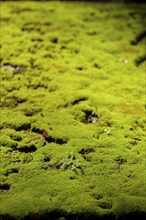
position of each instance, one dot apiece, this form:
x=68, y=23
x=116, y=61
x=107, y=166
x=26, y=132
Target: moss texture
x=72, y=110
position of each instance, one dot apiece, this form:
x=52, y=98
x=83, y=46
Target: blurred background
x=124, y=1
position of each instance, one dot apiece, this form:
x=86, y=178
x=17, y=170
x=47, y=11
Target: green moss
x=126, y=203
x=72, y=109
x=6, y=141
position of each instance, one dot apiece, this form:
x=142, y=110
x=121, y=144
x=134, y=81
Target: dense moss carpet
x=72, y=111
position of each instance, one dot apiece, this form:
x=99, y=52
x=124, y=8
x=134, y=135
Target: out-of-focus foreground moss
x=72, y=110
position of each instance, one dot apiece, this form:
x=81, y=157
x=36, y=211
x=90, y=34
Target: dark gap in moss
x=17, y=100
x=87, y=19
x=93, y=13
x=80, y=68
x=48, y=56
x=90, y=117
x=18, y=10
x=25, y=126
x=36, y=130
x=5, y=105
x=92, y=33
x=31, y=112
x=76, y=51
x=139, y=38
x=38, y=39
x=7, y=78
x=12, y=170
x=28, y=149
x=77, y=101
x=139, y=124
x=5, y=19
x=47, y=23
x=27, y=158
x=120, y=160
x=32, y=63
x=98, y=196
x=87, y=151
x=63, y=47
x=5, y=186
x=119, y=16
x=12, y=101
x=28, y=113
x=137, y=139
x=87, y=159
x=44, y=166
x=133, y=143
x=134, y=14
x=137, y=152
x=54, y=40
x=97, y=66
x=32, y=50
x=53, y=89
x=140, y=60
x=47, y=159
x=16, y=138
x=60, y=141
x=72, y=177
x=55, y=166
x=105, y=205
x=109, y=124
x=32, y=26
x=46, y=136
x=48, y=79
x=38, y=86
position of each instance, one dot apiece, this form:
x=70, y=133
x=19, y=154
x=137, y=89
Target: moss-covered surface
x=72, y=111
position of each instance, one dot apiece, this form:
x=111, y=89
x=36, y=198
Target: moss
x=72, y=110
x=126, y=201
x=6, y=141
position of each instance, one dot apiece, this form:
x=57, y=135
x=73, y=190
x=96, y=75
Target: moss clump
x=72, y=80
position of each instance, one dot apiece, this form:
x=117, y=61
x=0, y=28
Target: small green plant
x=70, y=162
